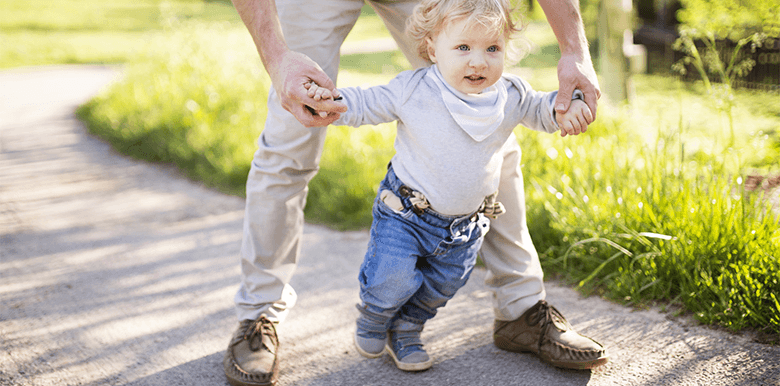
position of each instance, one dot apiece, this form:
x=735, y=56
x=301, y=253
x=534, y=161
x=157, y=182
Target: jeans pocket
x=387, y=202
x=392, y=201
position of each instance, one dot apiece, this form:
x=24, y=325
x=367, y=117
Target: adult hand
x=576, y=72
x=290, y=73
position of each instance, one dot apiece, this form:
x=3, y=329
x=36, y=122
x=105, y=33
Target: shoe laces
x=548, y=316
x=261, y=333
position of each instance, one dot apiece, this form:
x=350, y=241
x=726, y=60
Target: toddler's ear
x=431, y=49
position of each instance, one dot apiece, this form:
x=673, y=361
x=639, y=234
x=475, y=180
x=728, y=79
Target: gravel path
x=119, y=272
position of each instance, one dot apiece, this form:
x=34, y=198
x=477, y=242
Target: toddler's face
x=469, y=55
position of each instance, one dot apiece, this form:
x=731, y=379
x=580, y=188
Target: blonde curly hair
x=432, y=16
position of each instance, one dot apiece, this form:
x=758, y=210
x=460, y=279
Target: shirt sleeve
x=535, y=109
x=373, y=105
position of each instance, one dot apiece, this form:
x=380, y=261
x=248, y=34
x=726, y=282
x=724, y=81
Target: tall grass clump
x=643, y=222
x=195, y=98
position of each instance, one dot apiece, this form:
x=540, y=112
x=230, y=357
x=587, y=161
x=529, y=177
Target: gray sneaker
x=368, y=345
x=406, y=348
x=370, y=334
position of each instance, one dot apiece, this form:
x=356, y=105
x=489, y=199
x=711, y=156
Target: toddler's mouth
x=475, y=78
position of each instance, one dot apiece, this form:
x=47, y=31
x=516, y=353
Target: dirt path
x=119, y=272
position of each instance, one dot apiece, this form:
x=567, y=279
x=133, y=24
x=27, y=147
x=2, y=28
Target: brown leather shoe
x=251, y=359
x=544, y=331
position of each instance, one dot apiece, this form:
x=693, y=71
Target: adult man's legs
x=514, y=272
x=286, y=160
x=524, y=321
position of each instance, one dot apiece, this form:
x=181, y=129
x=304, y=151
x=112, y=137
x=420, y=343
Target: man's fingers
x=576, y=128
x=591, y=99
x=566, y=129
x=328, y=105
x=588, y=119
x=322, y=80
x=583, y=123
x=301, y=96
x=563, y=100
x=311, y=118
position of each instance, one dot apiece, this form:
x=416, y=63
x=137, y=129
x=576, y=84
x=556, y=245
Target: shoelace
x=546, y=314
x=256, y=332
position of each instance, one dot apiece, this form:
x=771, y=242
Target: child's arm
x=575, y=120
x=536, y=110
x=369, y=106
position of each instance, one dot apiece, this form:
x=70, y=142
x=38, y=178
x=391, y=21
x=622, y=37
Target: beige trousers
x=288, y=158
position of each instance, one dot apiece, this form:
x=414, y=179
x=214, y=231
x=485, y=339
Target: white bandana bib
x=477, y=114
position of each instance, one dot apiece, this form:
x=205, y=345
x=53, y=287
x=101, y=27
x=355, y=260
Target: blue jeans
x=415, y=262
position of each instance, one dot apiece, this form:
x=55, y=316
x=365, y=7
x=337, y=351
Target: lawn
x=41, y=32
x=651, y=205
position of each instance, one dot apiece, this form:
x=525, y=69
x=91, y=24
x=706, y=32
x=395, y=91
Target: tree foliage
x=731, y=19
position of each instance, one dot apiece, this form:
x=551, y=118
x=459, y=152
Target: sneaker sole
x=366, y=353
x=409, y=366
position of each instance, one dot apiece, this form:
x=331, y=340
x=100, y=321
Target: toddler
x=433, y=206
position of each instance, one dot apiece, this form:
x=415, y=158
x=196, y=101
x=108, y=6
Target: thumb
x=322, y=80
x=563, y=100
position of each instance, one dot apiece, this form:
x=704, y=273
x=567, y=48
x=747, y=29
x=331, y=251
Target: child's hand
x=319, y=93
x=575, y=120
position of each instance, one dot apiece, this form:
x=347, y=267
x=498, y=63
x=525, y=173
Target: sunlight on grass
x=200, y=106
x=38, y=32
x=640, y=221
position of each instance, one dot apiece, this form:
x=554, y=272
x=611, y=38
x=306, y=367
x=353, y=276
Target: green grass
x=199, y=106
x=648, y=206
x=41, y=32
x=641, y=222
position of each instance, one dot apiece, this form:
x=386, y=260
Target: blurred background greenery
x=666, y=200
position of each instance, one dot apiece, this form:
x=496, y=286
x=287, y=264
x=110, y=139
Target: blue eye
x=463, y=47
x=492, y=49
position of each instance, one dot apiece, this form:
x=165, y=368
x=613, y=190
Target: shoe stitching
x=545, y=314
x=548, y=314
x=258, y=326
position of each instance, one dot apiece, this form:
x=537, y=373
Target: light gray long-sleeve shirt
x=434, y=155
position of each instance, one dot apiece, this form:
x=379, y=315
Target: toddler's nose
x=477, y=61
